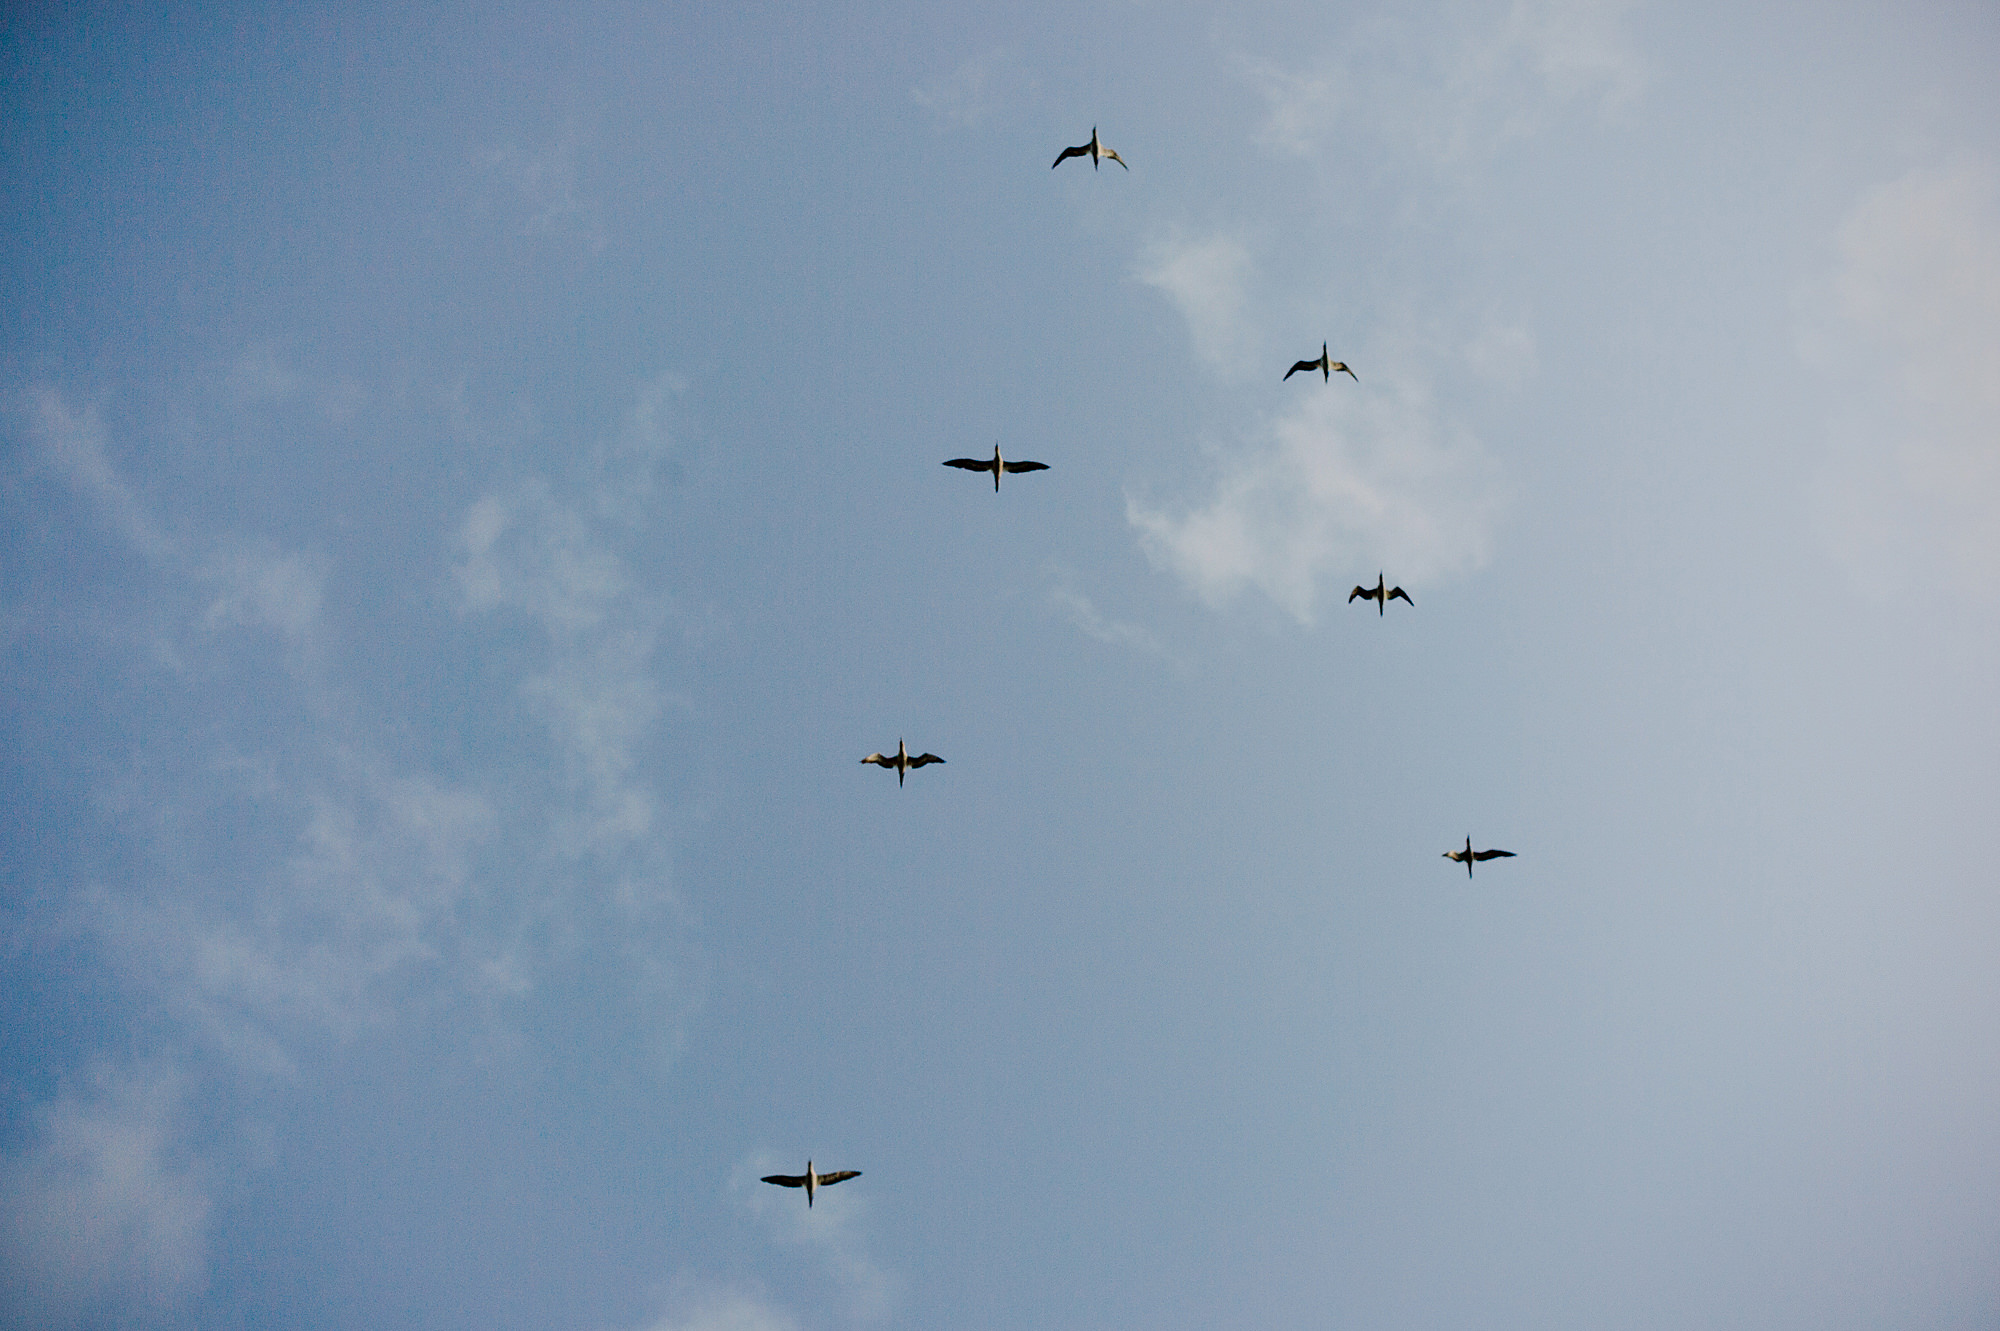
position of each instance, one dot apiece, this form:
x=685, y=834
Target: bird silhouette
x=902, y=762
x=1093, y=150
x=1380, y=597
x=1468, y=855
x=810, y=1181
x=1326, y=366
x=995, y=465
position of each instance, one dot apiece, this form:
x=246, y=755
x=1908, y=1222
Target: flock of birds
x=902, y=762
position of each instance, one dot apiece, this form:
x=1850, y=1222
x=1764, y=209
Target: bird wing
x=1394, y=592
x=1025, y=466
x=879, y=760
x=1067, y=153
x=1103, y=151
x=970, y=464
x=841, y=1176
x=1458, y=855
x=1302, y=365
x=789, y=1180
x=925, y=759
x=1368, y=593
x=1349, y=373
x=1493, y=855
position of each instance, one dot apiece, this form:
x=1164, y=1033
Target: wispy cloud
x=1343, y=484
x=99, y=1207
x=972, y=92
x=1907, y=326
x=833, y=1230
x=1081, y=611
x=1502, y=76
x=72, y=441
x=1207, y=279
x=725, y=1312
x=536, y=189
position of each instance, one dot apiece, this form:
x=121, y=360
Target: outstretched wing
x=925, y=760
x=1025, y=466
x=879, y=760
x=972, y=464
x=1394, y=592
x=789, y=1180
x=1493, y=855
x=1103, y=151
x=1302, y=365
x=1067, y=153
x=841, y=1176
x=1367, y=593
x=1349, y=373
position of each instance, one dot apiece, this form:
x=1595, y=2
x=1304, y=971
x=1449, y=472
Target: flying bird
x=902, y=762
x=995, y=465
x=1380, y=597
x=1326, y=366
x=1468, y=855
x=810, y=1181
x=1093, y=150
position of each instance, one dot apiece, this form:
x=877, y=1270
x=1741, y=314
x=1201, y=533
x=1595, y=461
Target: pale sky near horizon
x=471, y=493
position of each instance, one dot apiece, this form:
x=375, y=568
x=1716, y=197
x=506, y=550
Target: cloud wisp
x=1907, y=324
x=1206, y=278
x=101, y=1207
x=1341, y=485
x=317, y=886
x=1448, y=105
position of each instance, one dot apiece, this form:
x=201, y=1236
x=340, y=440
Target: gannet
x=1326, y=366
x=996, y=466
x=810, y=1181
x=1380, y=597
x=1468, y=855
x=1093, y=150
x=902, y=762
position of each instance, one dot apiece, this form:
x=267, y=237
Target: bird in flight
x=1468, y=855
x=1093, y=150
x=902, y=762
x=1326, y=366
x=995, y=465
x=1380, y=597
x=810, y=1181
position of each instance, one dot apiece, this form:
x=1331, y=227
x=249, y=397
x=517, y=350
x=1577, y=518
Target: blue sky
x=471, y=494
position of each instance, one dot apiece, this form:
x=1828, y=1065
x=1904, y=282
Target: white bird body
x=996, y=464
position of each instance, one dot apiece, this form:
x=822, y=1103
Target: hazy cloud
x=100, y=1205
x=1501, y=77
x=1206, y=279
x=970, y=93
x=73, y=444
x=1344, y=484
x=1908, y=326
x=726, y=1312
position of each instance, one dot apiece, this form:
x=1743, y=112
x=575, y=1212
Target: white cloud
x=101, y=1206
x=832, y=1229
x=1082, y=612
x=1496, y=76
x=1908, y=328
x=73, y=443
x=1349, y=482
x=726, y=1312
x=970, y=93
x=537, y=189
x=1206, y=278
